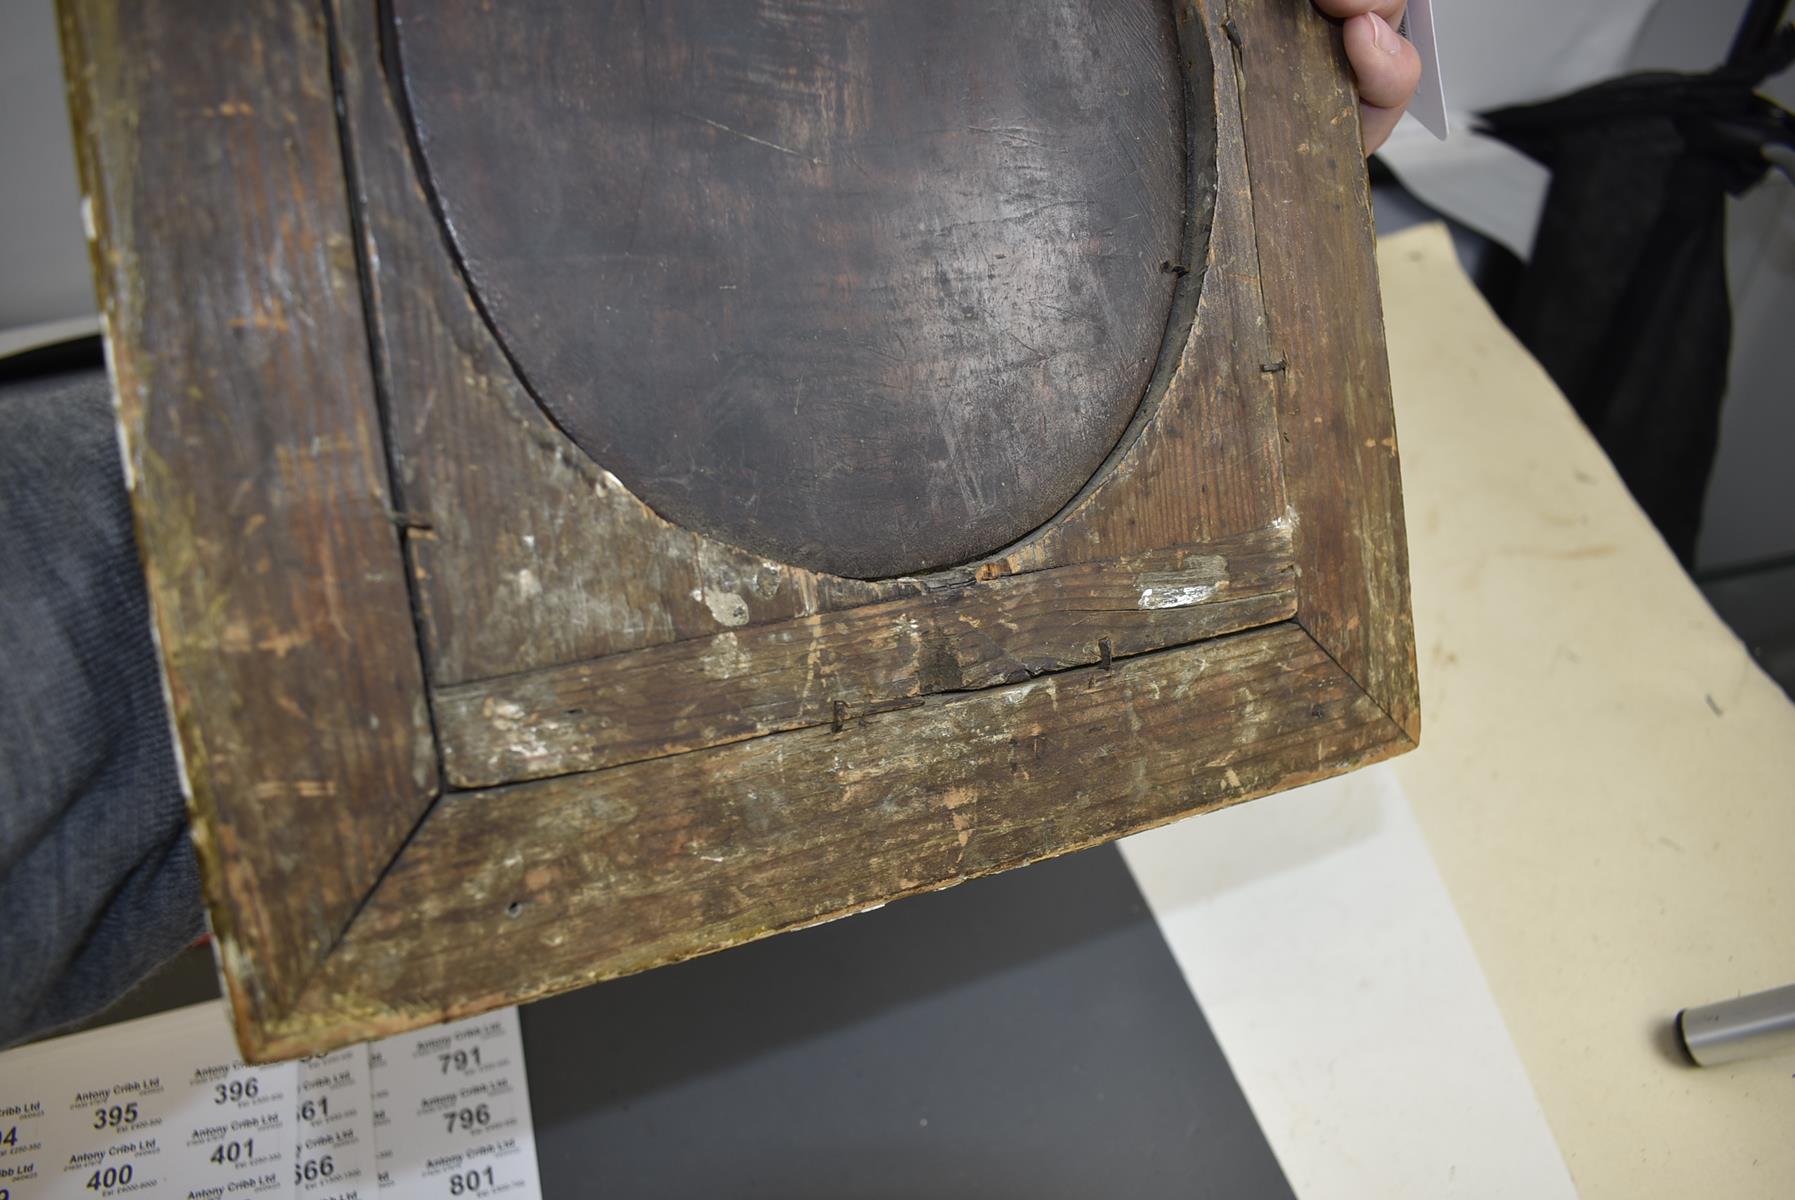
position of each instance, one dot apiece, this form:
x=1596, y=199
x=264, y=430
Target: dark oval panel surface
x=868, y=286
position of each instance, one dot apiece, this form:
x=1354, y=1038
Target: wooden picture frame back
x=459, y=737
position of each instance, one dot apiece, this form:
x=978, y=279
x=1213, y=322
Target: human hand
x=1386, y=68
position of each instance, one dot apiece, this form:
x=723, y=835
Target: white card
x=1317, y=935
x=1429, y=104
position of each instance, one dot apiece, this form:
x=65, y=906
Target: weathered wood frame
x=400, y=823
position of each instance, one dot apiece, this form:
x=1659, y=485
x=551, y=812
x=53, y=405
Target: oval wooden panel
x=868, y=286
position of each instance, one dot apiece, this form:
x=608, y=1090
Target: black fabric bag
x=1624, y=300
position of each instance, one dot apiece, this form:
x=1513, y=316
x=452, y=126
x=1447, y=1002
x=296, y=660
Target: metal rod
x=1750, y=1027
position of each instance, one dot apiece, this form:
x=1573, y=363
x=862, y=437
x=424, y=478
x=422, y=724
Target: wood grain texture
x=604, y=874
x=868, y=286
x=1308, y=178
x=1203, y=459
x=524, y=552
x=841, y=667
x=253, y=453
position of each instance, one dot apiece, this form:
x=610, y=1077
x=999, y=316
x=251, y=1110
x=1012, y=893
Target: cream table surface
x=1606, y=780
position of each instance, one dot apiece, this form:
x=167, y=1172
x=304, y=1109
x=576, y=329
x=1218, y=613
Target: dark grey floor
x=1026, y=1035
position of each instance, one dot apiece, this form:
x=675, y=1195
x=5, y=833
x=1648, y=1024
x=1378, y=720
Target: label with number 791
x=452, y=1112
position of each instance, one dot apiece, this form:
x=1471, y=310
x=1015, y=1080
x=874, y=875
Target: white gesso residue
x=1176, y=597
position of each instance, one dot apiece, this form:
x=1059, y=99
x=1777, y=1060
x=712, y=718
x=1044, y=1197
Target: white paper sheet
x=164, y=1109
x=1316, y=934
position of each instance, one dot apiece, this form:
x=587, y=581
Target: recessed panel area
x=870, y=287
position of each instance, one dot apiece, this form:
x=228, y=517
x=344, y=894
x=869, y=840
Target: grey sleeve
x=98, y=884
